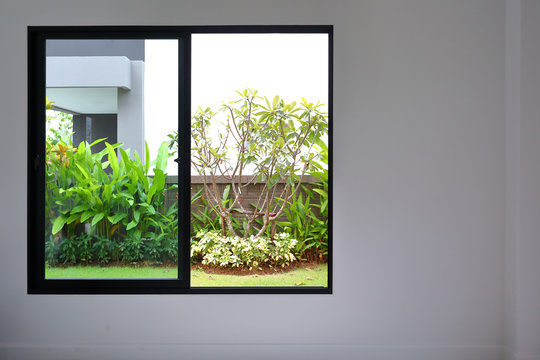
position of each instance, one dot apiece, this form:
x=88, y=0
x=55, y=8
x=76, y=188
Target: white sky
x=160, y=94
x=289, y=65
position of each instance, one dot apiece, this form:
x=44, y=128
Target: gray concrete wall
x=132, y=49
x=90, y=128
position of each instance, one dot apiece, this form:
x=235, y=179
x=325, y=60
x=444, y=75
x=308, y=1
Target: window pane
x=259, y=182
x=111, y=198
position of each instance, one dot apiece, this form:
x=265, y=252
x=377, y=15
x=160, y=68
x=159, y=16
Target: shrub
x=99, y=211
x=274, y=138
x=235, y=251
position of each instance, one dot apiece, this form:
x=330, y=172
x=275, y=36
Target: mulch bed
x=262, y=270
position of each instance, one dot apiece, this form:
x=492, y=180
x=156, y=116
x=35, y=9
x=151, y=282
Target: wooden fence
x=250, y=194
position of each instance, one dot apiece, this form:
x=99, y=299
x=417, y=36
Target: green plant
x=234, y=251
x=320, y=171
x=52, y=249
x=59, y=125
x=205, y=218
x=110, y=197
x=274, y=139
x=132, y=248
x=102, y=249
x=68, y=250
x=303, y=222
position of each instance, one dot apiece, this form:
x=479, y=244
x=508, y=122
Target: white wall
x=522, y=252
x=420, y=137
x=528, y=277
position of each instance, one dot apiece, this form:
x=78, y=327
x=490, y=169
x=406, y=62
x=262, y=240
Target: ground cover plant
x=234, y=251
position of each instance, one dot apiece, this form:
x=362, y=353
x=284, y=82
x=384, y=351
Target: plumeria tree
x=257, y=141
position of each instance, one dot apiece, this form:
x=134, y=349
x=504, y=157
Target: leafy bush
x=205, y=218
x=302, y=222
x=274, y=138
x=96, y=210
x=235, y=251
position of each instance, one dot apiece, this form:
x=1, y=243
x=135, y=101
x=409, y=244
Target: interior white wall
x=522, y=245
x=528, y=242
x=512, y=135
x=419, y=132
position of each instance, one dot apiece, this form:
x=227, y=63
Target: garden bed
x=262, y=270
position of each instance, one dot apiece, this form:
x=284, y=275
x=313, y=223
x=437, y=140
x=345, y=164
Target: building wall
x=132, y=49
x=419, y=197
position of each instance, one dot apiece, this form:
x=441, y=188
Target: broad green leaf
x=87, y=215
x=97, y=218
x=275, y=102
x=98, y=141
x=146, y=158
x=59, y=223
x=81, y=150
x=136, y=215
x=116, y=218
x=321, y=192
x=113, y=159
x=107, y=192
x=72, y=218
x=131, y=225
x=85, y=174
x=80, y=208
x=324, y=205
x=225, y=197
x=125, y=159
x=162, y=157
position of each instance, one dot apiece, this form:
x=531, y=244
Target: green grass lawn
x=306, y=276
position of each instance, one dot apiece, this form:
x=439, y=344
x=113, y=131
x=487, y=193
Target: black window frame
x=37, y=36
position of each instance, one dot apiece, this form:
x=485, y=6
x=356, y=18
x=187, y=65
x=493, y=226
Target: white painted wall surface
x=419, y=132
x=528, y=246
x=522, y=246
x=88, y=71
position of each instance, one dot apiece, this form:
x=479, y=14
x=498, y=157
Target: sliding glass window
x=180, y=159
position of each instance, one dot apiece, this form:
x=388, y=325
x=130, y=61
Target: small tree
x=273, y=140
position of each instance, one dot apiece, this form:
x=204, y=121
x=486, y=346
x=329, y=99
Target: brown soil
x=262, y=270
